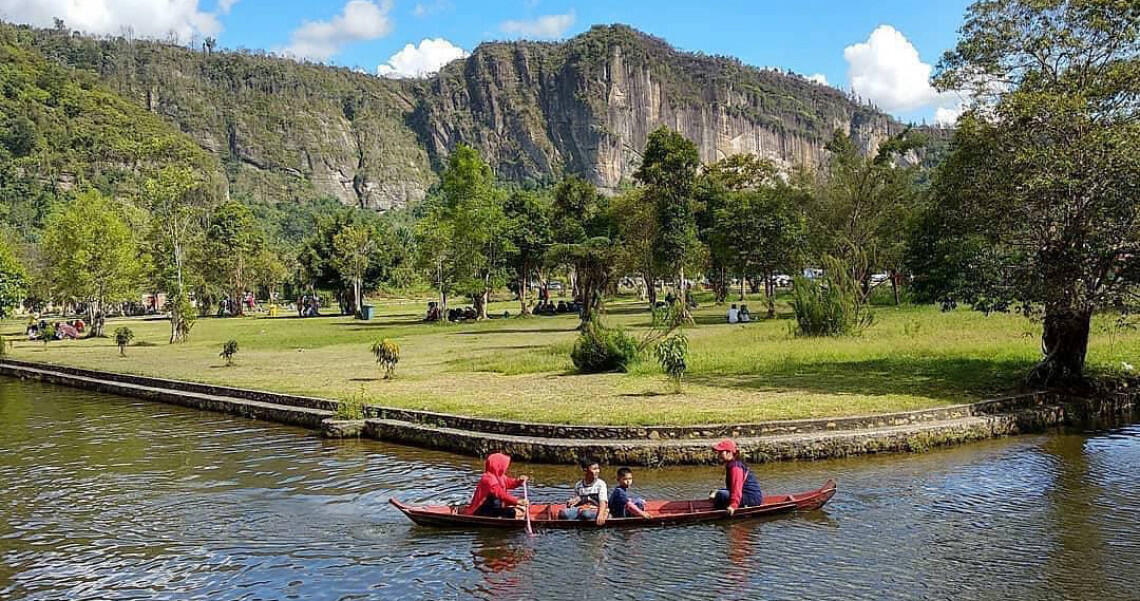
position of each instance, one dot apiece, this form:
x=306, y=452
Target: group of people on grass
x=592, y=499
x=740, y=315
x=546, y=307
x=308, y=305
x=60, y=330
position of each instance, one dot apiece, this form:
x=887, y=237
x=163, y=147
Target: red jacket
x=494, y=483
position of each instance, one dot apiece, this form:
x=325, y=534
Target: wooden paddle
x=526, y=510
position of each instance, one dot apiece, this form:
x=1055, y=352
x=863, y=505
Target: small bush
x=830, y=306
x=48, y=333
x=187, y=317
x=672, y=355
x=229, y=349
x=351, y=407
x=123, y=337
x=601, y=349
x=387, y=355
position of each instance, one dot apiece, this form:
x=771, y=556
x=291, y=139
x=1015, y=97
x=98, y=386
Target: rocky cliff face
x=588, y=106
x=285, y=131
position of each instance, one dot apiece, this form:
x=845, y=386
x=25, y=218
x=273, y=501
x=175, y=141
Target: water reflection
x=103, y=497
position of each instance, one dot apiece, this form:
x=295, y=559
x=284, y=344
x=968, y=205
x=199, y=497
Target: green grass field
x=911, y=358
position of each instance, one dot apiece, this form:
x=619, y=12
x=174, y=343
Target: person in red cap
x=740, y=486
x=491, y=498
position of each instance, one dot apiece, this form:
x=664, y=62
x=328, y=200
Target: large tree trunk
x=1064, y=343
x=770, y=294
x=650, y=289
x=357, y=285
x=721, y=284
x=683, y=296
x=481, y=305
x=895, y=286
x=95, y=320
x=522, y=293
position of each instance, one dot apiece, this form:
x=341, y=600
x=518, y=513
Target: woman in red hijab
x=491, y=498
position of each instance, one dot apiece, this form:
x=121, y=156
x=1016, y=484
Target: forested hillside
x=289, y=131
x=61, y=128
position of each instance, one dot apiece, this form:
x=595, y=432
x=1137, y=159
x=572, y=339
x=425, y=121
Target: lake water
x=103, y=497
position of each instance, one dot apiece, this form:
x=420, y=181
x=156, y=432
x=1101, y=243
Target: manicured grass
x=912, y=358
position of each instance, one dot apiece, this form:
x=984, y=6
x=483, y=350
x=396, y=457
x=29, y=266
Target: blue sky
x=830, y=38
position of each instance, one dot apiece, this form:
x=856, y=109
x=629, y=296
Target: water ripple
x=113, y=498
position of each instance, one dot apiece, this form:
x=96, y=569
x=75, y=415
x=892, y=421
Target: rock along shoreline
x=911, y=431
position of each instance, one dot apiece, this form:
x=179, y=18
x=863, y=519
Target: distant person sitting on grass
x=745, y=316
x=491, y=498
x=590, y=495
x=622, y=504
x=733, y=314
x=433, y=312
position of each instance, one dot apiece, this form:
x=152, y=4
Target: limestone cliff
x=285, y=130
x=587, y=106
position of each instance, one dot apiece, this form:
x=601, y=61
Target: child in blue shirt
x=622, y=504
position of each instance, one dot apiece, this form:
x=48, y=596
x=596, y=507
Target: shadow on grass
x=951, y=378
x=513, y=331
x=364, y=379
x=646, y=394
x=361, y=325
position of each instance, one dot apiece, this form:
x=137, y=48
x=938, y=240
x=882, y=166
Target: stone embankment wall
x=649, y=445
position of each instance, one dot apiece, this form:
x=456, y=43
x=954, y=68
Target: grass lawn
x=911, y=358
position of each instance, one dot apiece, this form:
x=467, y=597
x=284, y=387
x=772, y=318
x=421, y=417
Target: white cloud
x=818, y=78
x=422, y=60
x=144, y=18
x=887, y=71
x=548, y=27
x=948, y=115
x=224, y=6
x=360, y=20
x=424, y=9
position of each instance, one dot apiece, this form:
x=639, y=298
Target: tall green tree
x=530, y=234
x=715, y=184
x=13, y=280
x=1038, y=198
x=471, y=208
x=354, y=248
x=178, y=199
x=669, y=172
x=585, y=237
x=636, y=221
x=93, y=255
x=323, y=264
x=762, y=232
x=860, y=209
x=233, y=239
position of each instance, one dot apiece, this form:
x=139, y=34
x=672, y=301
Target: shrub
x=123, y=337
x=829, y=306
x=601, y=349
x=387, y=355
x=229, y=349
x=48, y=333
x=672, y=355
x=351, y=407
x=185, y=317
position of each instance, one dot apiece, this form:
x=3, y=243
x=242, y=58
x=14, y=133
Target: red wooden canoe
x=665, y=513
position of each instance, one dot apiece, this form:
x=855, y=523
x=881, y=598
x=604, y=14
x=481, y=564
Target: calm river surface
x=103, y=497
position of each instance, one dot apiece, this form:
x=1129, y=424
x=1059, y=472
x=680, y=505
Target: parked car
x=554, y=285
x=782, y=280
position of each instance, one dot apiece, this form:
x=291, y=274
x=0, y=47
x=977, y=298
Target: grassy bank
x=912, y=358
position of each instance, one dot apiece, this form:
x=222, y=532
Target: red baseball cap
x=725, y=445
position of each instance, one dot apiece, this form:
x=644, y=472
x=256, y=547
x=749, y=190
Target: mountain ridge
x=286, y=130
